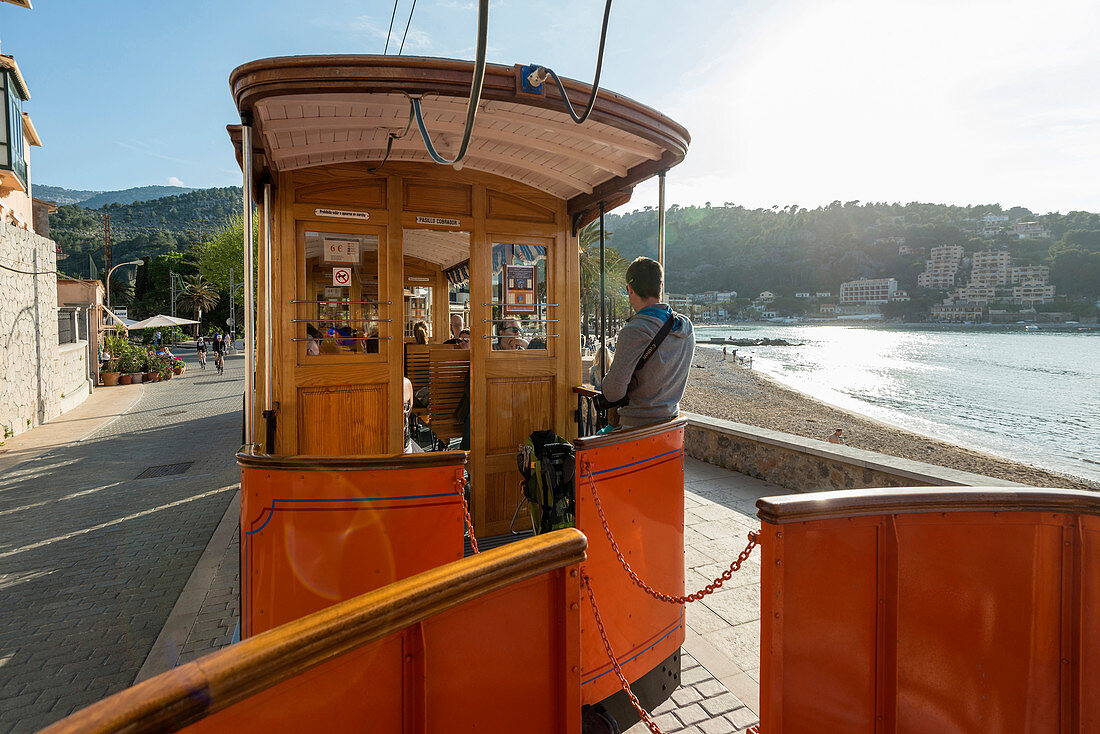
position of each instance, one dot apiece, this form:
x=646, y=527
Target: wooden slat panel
x=517, y=406
x=505, y=206
x=439, y=198
x=335, y=421
x=416, y=364
x=448, y=377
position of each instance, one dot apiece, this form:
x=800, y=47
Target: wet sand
x=724, y=390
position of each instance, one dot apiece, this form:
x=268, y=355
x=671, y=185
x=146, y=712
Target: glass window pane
x=341, y=287
x=418, y=308
x=519, y=291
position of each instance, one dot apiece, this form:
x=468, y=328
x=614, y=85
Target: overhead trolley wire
x=475, y=94
x=411, y=11
x=390, y=31
x=539, y=75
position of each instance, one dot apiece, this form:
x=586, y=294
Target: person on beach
x=652, y=394
x=836, y=436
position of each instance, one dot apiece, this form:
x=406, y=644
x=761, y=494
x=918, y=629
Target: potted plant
x=108, y=373
x=165, y=368
x=178, y=366
x=128, y=366
x=150, y=369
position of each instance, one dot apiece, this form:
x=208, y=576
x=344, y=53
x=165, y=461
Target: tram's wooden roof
x=316, y=110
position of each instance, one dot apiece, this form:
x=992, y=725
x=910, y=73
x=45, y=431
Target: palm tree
x=614, y=267
x=198, y=295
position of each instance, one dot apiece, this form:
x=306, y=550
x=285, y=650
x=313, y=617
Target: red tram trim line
x=623, y=660
x=270, y=512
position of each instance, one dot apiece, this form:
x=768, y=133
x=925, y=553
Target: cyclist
x=219, y=354
x=200, y=348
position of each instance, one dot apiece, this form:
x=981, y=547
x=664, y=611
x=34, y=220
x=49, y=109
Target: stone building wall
x=30, y=388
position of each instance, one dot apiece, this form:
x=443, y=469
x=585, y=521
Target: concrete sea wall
x=809, y=465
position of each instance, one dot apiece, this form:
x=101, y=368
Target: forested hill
x=166, y=224
x=792, y=249
x=95, y=199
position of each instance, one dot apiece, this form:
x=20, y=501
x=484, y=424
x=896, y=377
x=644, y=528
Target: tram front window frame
x=345, y=322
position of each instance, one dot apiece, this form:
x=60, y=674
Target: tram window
x=418, y=307
x=340, y=312
x=519, y=290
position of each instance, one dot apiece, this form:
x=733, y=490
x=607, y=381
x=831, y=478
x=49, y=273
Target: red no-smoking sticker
x=341, y=276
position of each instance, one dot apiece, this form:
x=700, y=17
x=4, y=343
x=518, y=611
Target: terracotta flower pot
x=177, y=370
x=150, y=377
x=135, y=378
x=125, y=379
x=109, y=379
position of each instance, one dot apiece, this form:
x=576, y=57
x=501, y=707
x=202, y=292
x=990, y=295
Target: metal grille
x=495, y=541
x=165, y=470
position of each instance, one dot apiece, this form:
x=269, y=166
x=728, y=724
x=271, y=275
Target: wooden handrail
x=628, y=434
x=186, y=694
x=587, y=392
x=908, y=500
x=251, y=458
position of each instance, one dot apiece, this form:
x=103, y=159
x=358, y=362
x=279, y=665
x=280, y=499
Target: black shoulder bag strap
x=648, y=352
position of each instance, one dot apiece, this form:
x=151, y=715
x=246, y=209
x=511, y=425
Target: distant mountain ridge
x=96, y=199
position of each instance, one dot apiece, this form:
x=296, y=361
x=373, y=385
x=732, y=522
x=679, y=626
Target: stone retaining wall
x=72, y=368
x=806, y=464
x=30, y=388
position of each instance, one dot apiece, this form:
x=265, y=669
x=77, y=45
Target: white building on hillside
x=941, y=268
x=869, y=291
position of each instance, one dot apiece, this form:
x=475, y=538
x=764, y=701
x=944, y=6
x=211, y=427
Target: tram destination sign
x=439, y=221
x=341, y=213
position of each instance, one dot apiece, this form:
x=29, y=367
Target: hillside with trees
x=145, y=228
x=791, y=249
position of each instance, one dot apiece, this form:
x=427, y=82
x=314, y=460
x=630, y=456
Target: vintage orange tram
x=908, y=610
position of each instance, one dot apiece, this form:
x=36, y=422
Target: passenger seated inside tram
x=463, y=341
x=372, y=340
x=510, y=335
x=420, y=332
x=411, y=446
x=313, y=340
x=457, y=327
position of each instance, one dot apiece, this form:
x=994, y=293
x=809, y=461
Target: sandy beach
x=724, y=390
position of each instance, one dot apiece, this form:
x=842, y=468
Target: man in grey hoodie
x=656, y=390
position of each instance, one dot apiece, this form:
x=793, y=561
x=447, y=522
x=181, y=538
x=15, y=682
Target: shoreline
x=721, y=389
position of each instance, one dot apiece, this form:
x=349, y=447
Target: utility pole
x=107, y=245
x=172, y=282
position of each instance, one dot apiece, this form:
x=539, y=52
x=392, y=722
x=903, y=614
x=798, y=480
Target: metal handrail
x=342, y=302
x=334, y=338
x=337, y=321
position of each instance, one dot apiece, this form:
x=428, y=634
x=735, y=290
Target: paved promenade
x=96, y=541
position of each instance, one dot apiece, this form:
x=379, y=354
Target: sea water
x=1031, y=396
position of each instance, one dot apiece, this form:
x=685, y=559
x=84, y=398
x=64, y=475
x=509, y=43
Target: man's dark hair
x=645, y=277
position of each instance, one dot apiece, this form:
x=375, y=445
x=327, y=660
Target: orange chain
x=754, y=539
x=587, y=582
x=460, y=485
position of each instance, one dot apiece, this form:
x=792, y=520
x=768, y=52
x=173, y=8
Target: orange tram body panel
x=930, y=610
x=318, y=530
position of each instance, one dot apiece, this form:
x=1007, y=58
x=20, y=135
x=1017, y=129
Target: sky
x=787, y=101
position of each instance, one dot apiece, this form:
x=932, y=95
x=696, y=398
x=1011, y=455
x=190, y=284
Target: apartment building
x=941, y=268
x=1031, y=274
x=991, y=267
x=1031, y=230
x=868, y=291
x=977, y=293
x=958, y=312
x=1030, y=294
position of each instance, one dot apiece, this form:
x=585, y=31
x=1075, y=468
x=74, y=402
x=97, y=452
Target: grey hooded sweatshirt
x=656, y=393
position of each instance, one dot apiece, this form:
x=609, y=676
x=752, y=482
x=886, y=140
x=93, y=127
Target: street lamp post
x=116, y=267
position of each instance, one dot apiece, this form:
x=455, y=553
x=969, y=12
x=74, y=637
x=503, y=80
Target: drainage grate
x=166, y=470
x=171, y=412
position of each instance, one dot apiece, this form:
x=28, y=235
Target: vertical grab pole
x=603, y=300
x=249, y=307
x=661, y=226
x=269, y=330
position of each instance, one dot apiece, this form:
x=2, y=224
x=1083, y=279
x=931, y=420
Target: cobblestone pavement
x=221, y=608
x=92, y=558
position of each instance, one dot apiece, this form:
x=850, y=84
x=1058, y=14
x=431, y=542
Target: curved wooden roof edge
x=335, y=74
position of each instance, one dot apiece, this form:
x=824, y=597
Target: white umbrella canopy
x=160, y=320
